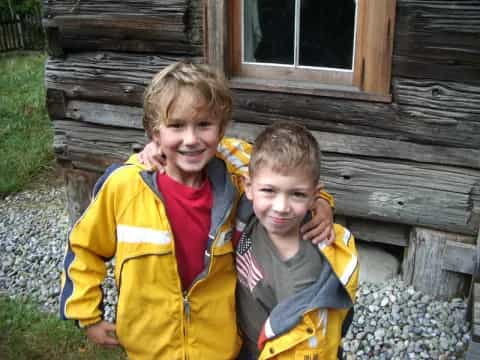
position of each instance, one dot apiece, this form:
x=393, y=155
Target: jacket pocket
x=148, y=304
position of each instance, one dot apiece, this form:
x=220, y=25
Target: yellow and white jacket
x=155, y=318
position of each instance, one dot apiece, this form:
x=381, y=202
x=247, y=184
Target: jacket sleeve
x=91, y=242
x=236, y=154
x=346, y=263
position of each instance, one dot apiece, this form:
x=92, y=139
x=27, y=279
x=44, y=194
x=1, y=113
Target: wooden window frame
x=371, y=76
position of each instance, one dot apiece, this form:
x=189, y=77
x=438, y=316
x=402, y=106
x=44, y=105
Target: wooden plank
x=130, y=117
x=78, y=186
x=115, y=78
x=108, y=77
x=437, y=40
x=432, y=103
x=93, y=7
x=392, y=121
x=105, y=114
x=422, y=266
x=380, y=232
x=473, y=352
x=216, y=26
x=374, y=62
x=93, y=147
x=172, y=26
x=476, y=292
x=459, y=257
x=399, y=191
x=374, y=188
x=376, y=147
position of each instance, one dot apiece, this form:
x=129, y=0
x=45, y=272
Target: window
x=335, y=48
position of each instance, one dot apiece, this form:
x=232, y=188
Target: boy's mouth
x=279, y=220
x=190, y=152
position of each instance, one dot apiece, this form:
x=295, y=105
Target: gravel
x=392, y=320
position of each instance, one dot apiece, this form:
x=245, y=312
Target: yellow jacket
x=155, y=319
x=317, y=333
x=309, y=324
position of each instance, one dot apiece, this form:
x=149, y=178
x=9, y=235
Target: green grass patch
x=27, y=333
x=26, y=133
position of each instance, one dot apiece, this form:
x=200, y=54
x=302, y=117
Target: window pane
x=326, y=33
x=269, y=28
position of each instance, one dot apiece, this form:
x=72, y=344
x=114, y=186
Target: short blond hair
x=166, y=85
x=284, y=147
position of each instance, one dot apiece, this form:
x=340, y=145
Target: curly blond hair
x=166, y=85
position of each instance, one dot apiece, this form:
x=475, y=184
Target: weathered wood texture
x=377, y=231
x=445, y=114
x=78, y=185
x=94, y=147
x=375, y=188
x=168, y=27
x=423, y=265
x=115, y=78
x=438, y=40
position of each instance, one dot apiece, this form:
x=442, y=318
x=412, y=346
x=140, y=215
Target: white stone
x=376, y=264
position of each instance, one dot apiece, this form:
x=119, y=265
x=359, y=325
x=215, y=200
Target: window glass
x=299, y=32
x=327, y=33
x=269, y=27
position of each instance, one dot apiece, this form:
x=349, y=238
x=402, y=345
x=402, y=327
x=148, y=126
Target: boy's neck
x=287, y=245
x=190, y=180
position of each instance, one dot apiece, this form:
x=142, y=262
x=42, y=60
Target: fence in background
x=21, y=32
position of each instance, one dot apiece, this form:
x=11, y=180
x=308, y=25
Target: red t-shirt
x=189, y=214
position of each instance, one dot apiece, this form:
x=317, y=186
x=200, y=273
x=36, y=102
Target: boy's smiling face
x=281, y=199
x=190, y=138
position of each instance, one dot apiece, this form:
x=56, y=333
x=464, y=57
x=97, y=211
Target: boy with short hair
x=292, y=296
x=170, y=233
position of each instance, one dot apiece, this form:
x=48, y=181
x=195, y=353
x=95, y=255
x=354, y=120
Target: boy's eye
x=205, y=124
x=266, y=190
x=175, y=125
x=299, y=194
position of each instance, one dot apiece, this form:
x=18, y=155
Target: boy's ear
x=156, y=136
x=247, y=183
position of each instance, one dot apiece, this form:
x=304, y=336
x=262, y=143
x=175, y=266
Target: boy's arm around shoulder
x=343, y=257
x=236, y=155
x=92, y=241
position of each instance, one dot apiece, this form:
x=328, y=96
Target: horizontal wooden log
x=395, y=121
x=401, y=192
x=168, y=27
x=461, y=258
x=94, y=147
x=374, y=188
x=131, y=117
x=444, y=119
x=437, y=40
x=115, y=78
x=377, y=147
x=379, y=232
x=93, y=7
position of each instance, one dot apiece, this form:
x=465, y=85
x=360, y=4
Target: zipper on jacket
x=186, y=311
x=186, y=306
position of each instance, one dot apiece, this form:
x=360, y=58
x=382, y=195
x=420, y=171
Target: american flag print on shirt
x=248, y=271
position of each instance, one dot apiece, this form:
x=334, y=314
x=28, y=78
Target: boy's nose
x=190, y=136
x=280, y=203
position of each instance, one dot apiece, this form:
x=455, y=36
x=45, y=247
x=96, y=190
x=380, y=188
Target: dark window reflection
x=326, y=33
x=269, y=30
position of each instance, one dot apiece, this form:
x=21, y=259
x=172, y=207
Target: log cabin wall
x=391, y=166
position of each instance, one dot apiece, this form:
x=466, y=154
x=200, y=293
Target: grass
x=27, y=333
x=26, y=133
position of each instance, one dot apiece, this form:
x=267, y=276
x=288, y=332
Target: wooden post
x=424, y=268
x=79, y=186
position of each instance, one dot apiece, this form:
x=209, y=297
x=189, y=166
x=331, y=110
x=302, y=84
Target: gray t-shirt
x=280, y=279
